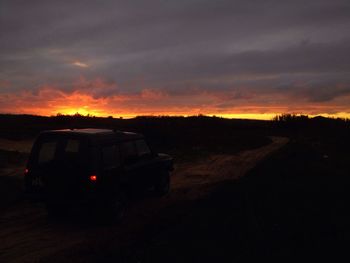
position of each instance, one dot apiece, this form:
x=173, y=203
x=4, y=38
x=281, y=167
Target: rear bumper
x=80, y=198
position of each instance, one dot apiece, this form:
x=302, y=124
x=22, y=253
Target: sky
x=230, y=58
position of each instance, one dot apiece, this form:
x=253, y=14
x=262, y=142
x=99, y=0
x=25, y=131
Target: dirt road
x=218, y=168
x=27, y=236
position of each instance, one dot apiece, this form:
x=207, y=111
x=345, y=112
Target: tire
x=162, y=185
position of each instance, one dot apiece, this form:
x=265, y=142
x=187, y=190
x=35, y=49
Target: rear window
x=72, y=152
x=110, y=156
x=47, y=152
x=67, y=150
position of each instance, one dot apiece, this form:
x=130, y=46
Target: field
x=241, y=190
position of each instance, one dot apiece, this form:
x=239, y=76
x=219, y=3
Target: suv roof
x=96, y=134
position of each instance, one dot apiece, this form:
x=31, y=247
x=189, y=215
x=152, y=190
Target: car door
x=133, y=166
x=44, y=153
x=146, y=162
x=68, y=169
x=110, y=166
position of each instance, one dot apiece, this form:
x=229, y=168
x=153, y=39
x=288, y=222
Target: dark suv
x=98, y=167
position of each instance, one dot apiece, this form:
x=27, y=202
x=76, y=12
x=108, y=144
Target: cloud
x=193, y=55
x=80, y=64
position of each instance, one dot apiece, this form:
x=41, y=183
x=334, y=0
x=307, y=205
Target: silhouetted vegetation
x=303, y=121
x=184, y=137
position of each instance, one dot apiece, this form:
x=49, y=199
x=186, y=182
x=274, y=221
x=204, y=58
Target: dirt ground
x=19, y=146
x=27, y=235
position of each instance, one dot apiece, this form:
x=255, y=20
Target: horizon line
x=242, y=116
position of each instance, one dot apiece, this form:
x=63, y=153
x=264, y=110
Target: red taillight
x=26, y=171
x=93, y=178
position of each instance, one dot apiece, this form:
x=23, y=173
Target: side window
x=128, y=151
x=110, y=156
x=142, y=148
x=47, y=152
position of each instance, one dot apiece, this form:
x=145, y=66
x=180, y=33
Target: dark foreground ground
x=292, y=205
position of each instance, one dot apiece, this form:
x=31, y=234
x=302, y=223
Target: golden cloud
x=89, y=97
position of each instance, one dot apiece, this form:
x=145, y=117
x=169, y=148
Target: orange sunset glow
x=51, y=101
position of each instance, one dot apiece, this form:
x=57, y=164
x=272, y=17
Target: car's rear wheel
x=118, y=207
x=162, y=185
x=114, y=208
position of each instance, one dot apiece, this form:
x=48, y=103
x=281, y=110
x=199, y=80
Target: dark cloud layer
x=235, y=50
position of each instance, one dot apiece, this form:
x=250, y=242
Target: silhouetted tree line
x=291, y=118
x=174, y=132
x=333, y=130
x=303, y=120
x=194, y=135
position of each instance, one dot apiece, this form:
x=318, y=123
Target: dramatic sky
x=175, y=57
